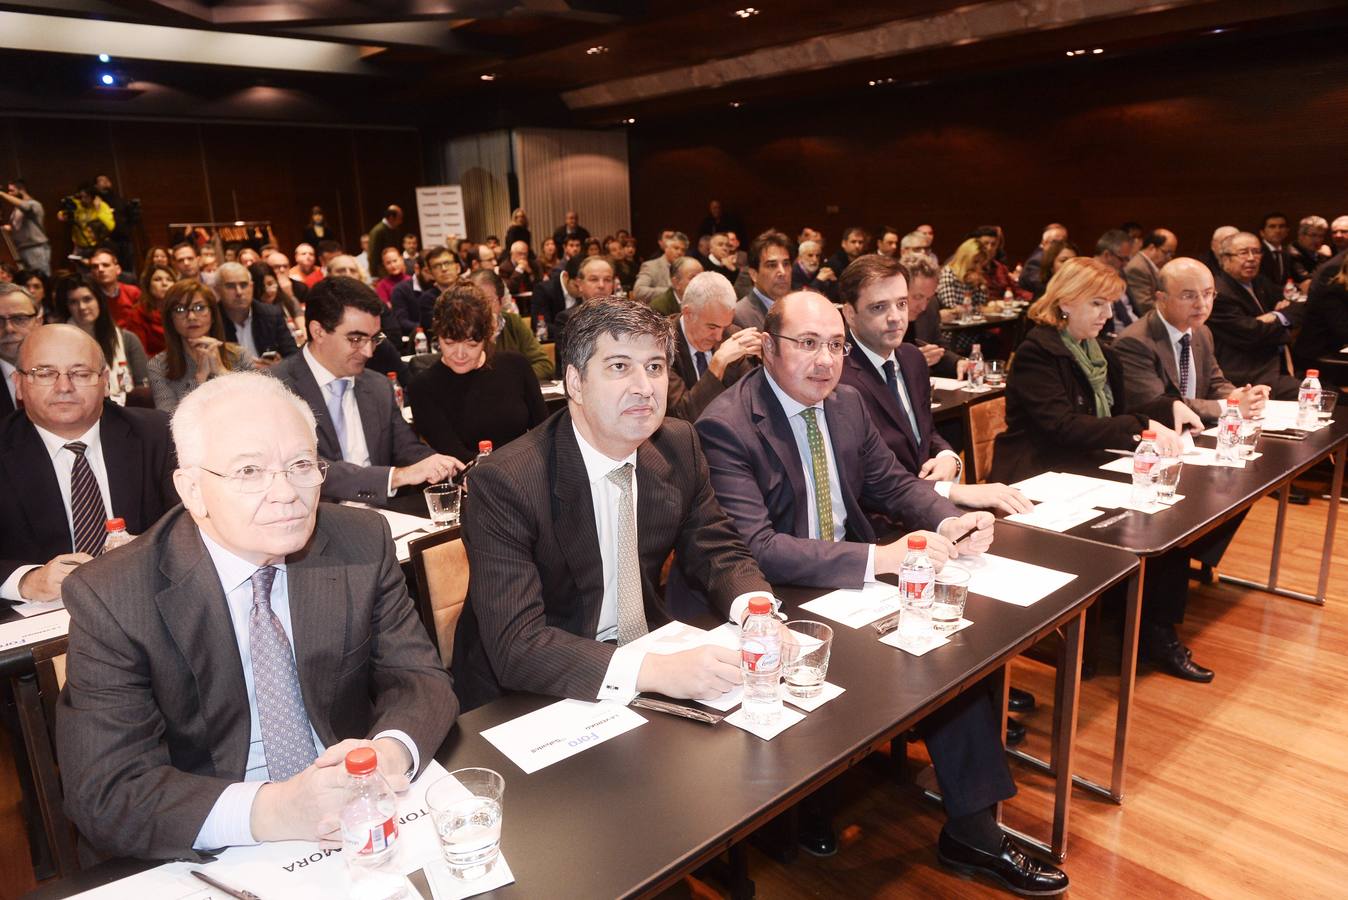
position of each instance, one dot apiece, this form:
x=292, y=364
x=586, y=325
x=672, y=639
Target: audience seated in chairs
x=195, y=350
x=80, y=299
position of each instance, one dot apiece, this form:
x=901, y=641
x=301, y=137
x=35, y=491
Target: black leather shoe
x=816, y=836
x=1020, y=701
x=1011, y=867
x=1015, y=732
x=1177, y=660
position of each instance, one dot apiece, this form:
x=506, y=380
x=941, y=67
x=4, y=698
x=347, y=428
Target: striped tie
x=88, y=515
x=631, y=603
x=823, y=494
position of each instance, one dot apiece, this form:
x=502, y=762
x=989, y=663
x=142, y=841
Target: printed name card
x=551, y=734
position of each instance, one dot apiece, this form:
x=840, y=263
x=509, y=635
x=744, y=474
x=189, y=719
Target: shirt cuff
x=620, y=680
x=391, y=490
x=870, y=563
x=230, y=821
x=402, y=738
x=1286, y=323
x=741, y=603
x=10, y=589
x=943, y=487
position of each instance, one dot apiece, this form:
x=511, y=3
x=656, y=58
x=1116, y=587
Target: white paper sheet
x=912, y=647
x=1059, y=516
x=52, y=624
x=37, y=607
x=538, y=739
x=788, y=718
x=810, y=704
x=677, y=637
x=1015, y=582
x=854, y=608
x=401, y=523
x=296, y=870
x=1083, y=491
x=407, y=414
x=947, y=384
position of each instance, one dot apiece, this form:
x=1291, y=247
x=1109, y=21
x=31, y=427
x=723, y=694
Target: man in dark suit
x=443, y=267
x=1251, y=323
x=892, y=379
x=854, y=243
x=1212, y=256
x=1275, y=264
x=72, y=460
x=20, y=314
x=560, y=583
x=795, y=461
x=709, y=352
x=924, y=318
x=1143, y=271
x=384, y=234
x=258, y=327
x=770, y=267
x=1153, y=348
x=682, y=272
x=570, y=229
x=361, y=431
x=224, y=663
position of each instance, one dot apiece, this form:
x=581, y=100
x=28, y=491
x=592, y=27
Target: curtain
x=480, y=164
x=585, y=171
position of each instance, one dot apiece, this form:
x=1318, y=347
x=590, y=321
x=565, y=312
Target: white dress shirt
x=228, y=823
x=244, y=331
x=63, y=462
x=906, y=400
x=793, y=412
x=1175, y=334
x=8, y=372
x=357, y=451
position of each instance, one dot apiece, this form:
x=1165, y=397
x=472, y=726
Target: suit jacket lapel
x=122, y=456
x=314, y=583
x=843, y=436
x=770, y=420
x=28, y=464
x=573, y=519
x=1165, y=350
x=876, y=386
x=196, y=614
x=684, y=356
x=303, y=381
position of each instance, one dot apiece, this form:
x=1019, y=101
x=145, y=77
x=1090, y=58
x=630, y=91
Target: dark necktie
x=88, y=515
x=700, y=363
x=892, y=379
x=1184, y=365
x=286, y=737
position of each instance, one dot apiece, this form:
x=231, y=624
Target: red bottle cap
x=484, y=446
x=116, y=525
x=392, y=376
x=1149, y=435
x=760, y=606
x=1232, y=402
x=1312, y=373
x=361, y=761
x=917, y=542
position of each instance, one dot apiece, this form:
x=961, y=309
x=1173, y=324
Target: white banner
x=440, y=211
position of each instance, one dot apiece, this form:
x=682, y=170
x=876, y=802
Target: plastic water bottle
x=1228, y=432
x=541, y=330
x=977, y=368
x=917, y=578
x=117, y=536
x=124, y=380
x=1008, y=296
x=397, y=388
x=1308, y=400
x=484, y=448
x=419, y=342
x=1290, y=292
x=967, y=309
x=761, y=661
x=1145, y=458
x=370, y=831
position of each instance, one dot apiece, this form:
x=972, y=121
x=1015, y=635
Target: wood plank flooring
x=1235, y=789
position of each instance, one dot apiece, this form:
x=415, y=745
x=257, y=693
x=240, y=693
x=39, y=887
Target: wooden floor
x=1235, y=789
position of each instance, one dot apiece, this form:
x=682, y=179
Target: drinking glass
x=995, y=375
x=1329, y=398
x=442, y=500
x=1250, y=430
x=806, y=657
x=1165, y=476
x=948, y=599
x=466, y=810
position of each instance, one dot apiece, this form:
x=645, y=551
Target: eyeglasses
x=194, y=309
x=444, y=264
x=358, y=341
x=46, y=376
x=811, y=346
x=20, y=321
x=305, y=473
x=1247, y=253
x=1193, y=296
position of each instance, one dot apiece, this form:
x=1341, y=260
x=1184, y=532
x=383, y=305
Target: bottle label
x=380, y=838
x=760, y=656
x=1142, y=465
x=914, y=587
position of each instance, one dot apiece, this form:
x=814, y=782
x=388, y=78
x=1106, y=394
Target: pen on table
x=233, y=892
x=1111, y=520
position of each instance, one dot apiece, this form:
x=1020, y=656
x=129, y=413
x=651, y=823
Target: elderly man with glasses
x=1251, y=323
x=19, y=315
x=361, y=431
x=72, y=461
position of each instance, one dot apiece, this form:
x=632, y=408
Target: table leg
x=1066, y=707
x=1132, y=621
x=1271, y=586
x=1327, y=551
x=1276, y=559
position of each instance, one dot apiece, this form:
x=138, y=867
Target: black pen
x=238, y=894
x=964, y=537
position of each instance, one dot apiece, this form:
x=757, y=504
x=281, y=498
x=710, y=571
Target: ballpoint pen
x=233, y=892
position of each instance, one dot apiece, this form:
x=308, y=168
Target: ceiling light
x=488, y=76
x=596, y=50
x=629, y=121
x=106, y=79
x=1071, y=53
x=1097, y=51
x=880, y=82
x=103, y=57
x=746, y=13
x=735, y=104
x=1215, y=31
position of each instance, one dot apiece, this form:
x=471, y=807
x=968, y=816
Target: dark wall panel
x=1181, y=140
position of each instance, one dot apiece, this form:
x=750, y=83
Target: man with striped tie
x=71, y=460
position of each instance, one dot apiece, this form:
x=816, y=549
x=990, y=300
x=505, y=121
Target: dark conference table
x=634, y=814
x=1212, y=496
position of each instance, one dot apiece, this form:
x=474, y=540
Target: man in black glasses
x=72, y=461
x=361, y=430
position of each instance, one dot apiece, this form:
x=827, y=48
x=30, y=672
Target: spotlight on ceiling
x=488, y=76
x=106, y=80
x=747, y=13
x=103, y=58
x=596, y=50
x=629, y=121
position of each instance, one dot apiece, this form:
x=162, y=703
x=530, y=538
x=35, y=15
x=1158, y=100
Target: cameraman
x=24, y=225
x=91, y=220
x=126, y=213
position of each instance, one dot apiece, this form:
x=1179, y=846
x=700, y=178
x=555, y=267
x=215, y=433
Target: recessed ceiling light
x=488, y=76
x=746, y=13
x=735, y=104
x=629, y=121
x=1097, y=51
x=103, y=57
x=596, y=50
x=1216, y=31
x=106, y=79
x=880, y=82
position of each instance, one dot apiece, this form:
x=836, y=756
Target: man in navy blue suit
x=259, y=327
x=892, y=378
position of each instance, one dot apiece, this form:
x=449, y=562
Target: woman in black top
x=474, y=392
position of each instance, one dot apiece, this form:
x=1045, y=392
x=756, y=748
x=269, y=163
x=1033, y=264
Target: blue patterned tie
x=336, y=393
x=287, y=740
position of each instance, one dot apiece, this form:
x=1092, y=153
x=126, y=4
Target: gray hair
x=189, y=425
x=1221, y=233
x=238, y=270
x=683, y=262
x=808, y=247
x=1114, y=240
x=678, y=236
x=519, y=245
x=709, y=287
x=1230, y=241
x=617, y=319
x=7, y=288
x=919, y=265
x=914, y=240
x=1310, y=223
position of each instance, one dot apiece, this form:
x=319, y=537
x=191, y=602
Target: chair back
x=983, y=422
x=440, y=564
x=35, y=696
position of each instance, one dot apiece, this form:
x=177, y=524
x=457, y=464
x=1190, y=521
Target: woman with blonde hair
x=962, y=280
x=518, y=231
x=195, y=350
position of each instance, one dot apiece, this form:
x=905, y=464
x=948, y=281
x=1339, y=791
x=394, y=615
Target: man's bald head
x=1221, y=234
x=64, y=340
x=344, y=265
x=1186, y=294
x=63, y=408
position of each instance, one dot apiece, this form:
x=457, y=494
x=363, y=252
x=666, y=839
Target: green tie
x=823, y=497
